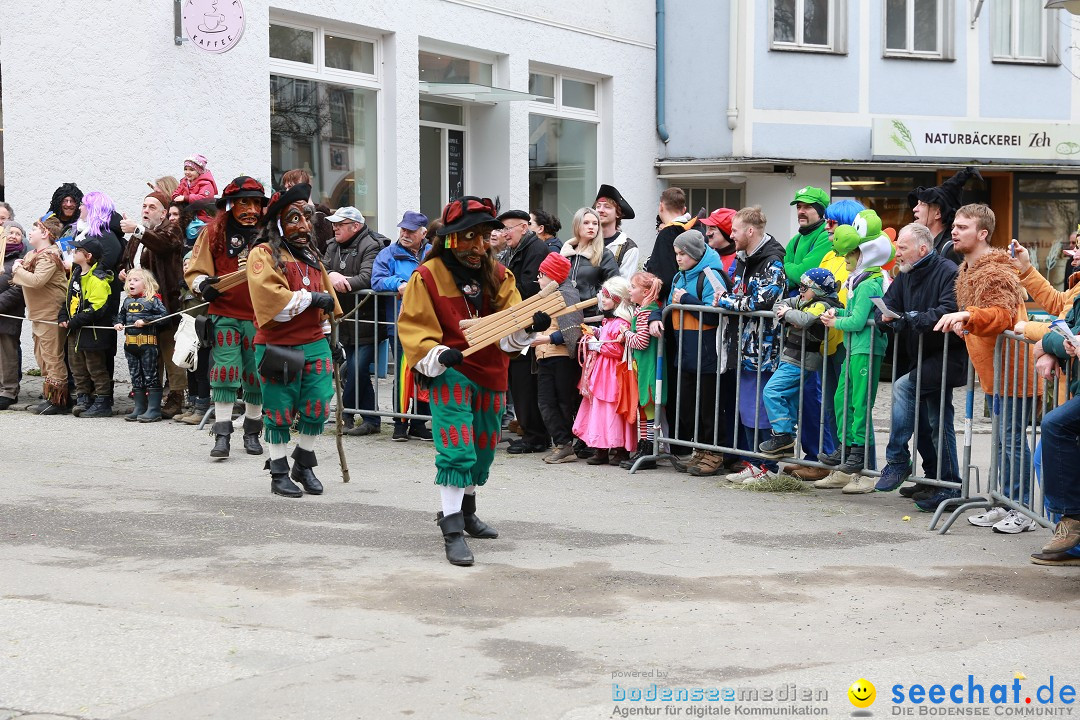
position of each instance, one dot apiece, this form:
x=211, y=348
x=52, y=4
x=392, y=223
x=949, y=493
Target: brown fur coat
x=991, y=280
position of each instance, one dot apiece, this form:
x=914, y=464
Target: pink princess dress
x=598, y=422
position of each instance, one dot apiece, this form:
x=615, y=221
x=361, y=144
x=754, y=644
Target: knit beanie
x=197, y=160
x=556, y=267
x=692, y=243
x=160, y=197
x=820, y=280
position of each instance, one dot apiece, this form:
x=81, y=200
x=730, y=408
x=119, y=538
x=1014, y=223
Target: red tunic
x=487, y=367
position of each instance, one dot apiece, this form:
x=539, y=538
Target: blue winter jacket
x=691, y=326
x=393, y=266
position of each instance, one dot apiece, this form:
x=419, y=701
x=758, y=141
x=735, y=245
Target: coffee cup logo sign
x=213, y=25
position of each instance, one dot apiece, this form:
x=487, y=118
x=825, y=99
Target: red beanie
x=556, y=267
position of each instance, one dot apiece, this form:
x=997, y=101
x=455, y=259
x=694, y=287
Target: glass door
x=442, y=155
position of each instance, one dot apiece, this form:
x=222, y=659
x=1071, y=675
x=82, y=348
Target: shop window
x=440, y=68
x=884, y=192
x=919, y=29
x=1024, y=32
x=712, y=198
x=808, y=25
x=324, y=113
x=1047, y=209
x=563, y=142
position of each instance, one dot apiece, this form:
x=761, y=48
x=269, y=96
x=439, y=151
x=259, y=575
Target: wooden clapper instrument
x=481, y=332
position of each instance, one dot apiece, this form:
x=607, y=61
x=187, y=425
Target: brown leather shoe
x=1062, y=558
x=1066, y=536
x=172, y=405
x=710, y=464
x=809, y=474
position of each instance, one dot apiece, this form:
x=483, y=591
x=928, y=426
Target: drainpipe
x=661, y=128
x=733, y=65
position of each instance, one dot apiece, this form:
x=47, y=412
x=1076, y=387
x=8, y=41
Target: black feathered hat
x=611, y=193
x=949, y=195
x=241, y=187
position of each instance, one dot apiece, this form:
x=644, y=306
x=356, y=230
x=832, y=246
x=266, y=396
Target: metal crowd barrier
x=385, y=369
x=724, y=395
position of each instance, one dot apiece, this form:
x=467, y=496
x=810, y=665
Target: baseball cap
x=349, y=213
x=811, y=195
x=411, y=220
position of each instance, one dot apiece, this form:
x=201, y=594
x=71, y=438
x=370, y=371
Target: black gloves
x=338, y=354
x=451, y=357
x=323, y=301
x=207, y=289
x=541, y=322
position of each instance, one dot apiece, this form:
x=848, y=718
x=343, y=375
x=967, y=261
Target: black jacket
x=661, y=262
x=11, y=299
x=524, y=261
x=943, y=246
x=354, y=259
x=921, y=297
x=588, y=278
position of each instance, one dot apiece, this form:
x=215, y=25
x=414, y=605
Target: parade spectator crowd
x=768, y=351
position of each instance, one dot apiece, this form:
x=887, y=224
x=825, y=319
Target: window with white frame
x=563, y=142
x=919, y=29
x=1024, y=32
x=808, y=25
x=324, y=88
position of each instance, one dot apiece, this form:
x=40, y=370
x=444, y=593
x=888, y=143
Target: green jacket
x=804, y=252
x=852, y=320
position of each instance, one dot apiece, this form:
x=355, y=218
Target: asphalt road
x=141, y=580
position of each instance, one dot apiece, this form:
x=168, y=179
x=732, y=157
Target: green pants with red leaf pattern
x=308, y=395
x=466, y=422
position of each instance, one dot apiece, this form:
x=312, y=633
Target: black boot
x=301, y=471
x=140, y=404
x=252, y=428
x=222, y=431
x=82, y=404
x=101, y=408
x=644, y=449
x=280, y=484
x=476, y=527
x=457, y=551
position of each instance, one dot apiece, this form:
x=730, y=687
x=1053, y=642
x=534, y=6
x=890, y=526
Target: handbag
x=186, y=351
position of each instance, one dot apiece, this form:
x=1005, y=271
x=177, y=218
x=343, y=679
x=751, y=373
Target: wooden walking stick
x=339, y=420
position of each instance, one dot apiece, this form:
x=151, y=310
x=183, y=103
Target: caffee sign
x=213, y=26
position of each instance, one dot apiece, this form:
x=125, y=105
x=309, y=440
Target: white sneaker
x=745, y=474
x=988, y=518
x=859, y=484
x=833, y=480
x=1015, y=522
x=761, y=475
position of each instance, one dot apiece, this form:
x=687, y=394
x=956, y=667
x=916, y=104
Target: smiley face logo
x=862, y=693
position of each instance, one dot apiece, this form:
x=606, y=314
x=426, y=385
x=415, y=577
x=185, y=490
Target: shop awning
x=475, y=92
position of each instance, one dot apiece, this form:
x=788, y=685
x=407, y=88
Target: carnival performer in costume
x=292, y=294
x=222, y=248
x=461, y=280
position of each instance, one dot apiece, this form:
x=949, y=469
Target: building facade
x=869, y=99
x=389, y=105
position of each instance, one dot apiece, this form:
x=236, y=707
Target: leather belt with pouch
x=282, y=363
x=204, y=331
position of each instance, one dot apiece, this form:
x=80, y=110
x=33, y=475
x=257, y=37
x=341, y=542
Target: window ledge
x=904, y=55
x=1025, y=61
x=814, y=49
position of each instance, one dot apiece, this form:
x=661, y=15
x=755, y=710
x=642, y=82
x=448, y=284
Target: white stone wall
x=98, y=94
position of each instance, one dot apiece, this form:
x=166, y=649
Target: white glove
x=594, y=345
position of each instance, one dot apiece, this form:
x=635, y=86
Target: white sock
x=223, y=412
x=306, y=442
x=471, y=490
x=253, y=411
x=278, y=451
x=451, y=499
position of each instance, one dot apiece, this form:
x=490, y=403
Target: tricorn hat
x=241, y=187
x=282, y=200
x=611, y=193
